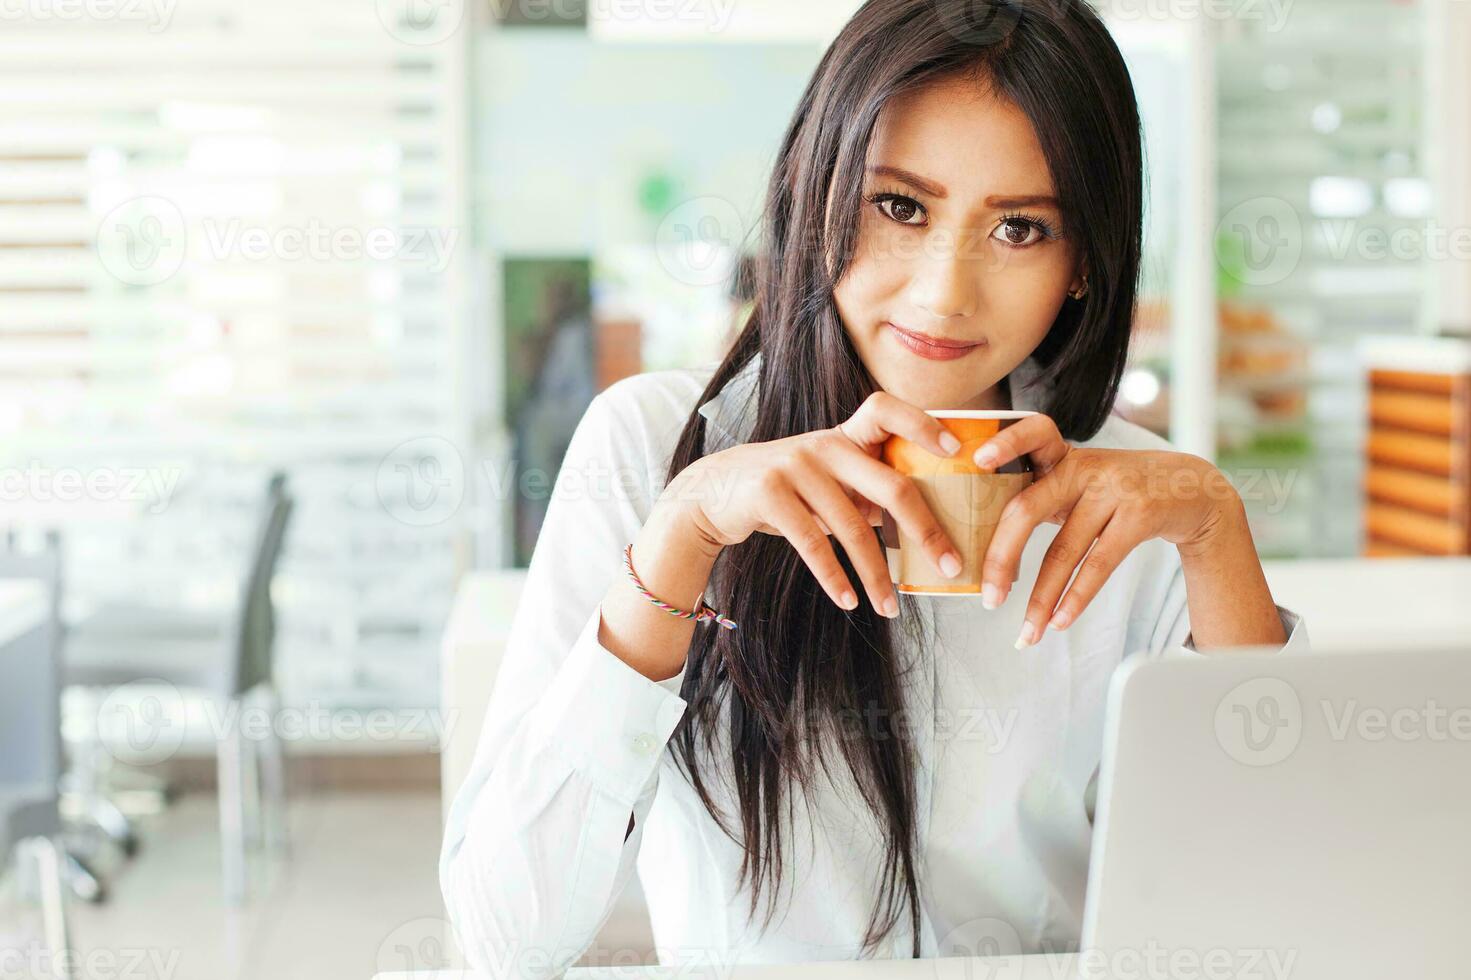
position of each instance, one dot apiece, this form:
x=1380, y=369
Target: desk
x=1356, y=605
x=29, y=727
x=1036, y=967
x=22, y=608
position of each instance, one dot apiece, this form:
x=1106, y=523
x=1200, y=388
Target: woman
x=953, y=222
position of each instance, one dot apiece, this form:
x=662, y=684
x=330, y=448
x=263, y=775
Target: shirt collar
x=731, y=413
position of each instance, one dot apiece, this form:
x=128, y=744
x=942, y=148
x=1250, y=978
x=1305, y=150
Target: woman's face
x=960, y=265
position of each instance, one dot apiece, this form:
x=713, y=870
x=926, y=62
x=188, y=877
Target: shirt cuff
x=609, y=721
x=1297, y=634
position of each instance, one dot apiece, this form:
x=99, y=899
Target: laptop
x=1273, y=816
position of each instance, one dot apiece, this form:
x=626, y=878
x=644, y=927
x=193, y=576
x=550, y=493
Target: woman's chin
x=925, y=393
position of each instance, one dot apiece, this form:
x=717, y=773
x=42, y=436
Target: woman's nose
x=947, y=278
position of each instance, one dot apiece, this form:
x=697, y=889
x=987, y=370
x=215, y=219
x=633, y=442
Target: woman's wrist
x=674, y=561
x=1222, y=523
x=1230, y=603
x=678, y=511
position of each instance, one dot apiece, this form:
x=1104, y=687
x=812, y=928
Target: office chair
x=230, y=663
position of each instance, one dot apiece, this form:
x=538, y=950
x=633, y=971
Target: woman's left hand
x=1108, y=501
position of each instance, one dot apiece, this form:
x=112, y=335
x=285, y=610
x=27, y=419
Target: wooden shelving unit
x=1417, y=450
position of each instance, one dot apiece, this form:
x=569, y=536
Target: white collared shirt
x=1008, y=744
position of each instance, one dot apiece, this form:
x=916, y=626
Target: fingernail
x=990, y=596
x=1028, y=635
x=987, y=456
x=1059, y=621
x=848, y=600
x=950, y=564
x=891, y=607
x=949, y=443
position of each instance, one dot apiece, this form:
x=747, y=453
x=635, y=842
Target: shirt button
x=644, y=744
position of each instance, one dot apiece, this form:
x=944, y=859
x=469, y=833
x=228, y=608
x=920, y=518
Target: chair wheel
x=84, y=883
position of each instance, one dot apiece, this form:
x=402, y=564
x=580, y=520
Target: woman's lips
x=934, y=348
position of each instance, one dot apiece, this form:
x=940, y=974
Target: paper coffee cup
x=965, y=499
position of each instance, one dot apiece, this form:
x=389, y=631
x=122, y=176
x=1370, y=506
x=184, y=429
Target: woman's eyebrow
x=937, y=190
x=909, y=177
x=1022, y=201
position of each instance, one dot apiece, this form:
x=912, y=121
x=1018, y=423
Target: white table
x=1356, y=605
x=1036, y=967
x=22, y=608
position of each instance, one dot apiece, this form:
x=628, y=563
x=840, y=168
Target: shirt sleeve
x=534, y=851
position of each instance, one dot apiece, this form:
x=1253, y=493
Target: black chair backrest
x=253, y=632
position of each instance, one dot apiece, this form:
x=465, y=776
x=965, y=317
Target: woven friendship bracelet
x=703, y=612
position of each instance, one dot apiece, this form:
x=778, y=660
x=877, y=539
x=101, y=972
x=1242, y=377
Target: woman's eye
x=1018, y=232
x=902, y=209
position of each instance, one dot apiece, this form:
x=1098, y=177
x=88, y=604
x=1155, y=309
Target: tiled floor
x=357, y=895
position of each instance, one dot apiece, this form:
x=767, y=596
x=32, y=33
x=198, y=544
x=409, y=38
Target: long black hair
x=771, y=693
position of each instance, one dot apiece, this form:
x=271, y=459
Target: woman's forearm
x=1230, y=604
x=674, y=562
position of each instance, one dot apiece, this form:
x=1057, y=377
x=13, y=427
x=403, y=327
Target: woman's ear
x=1079, y=287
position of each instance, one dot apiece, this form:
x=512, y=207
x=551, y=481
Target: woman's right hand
x=830, y=481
